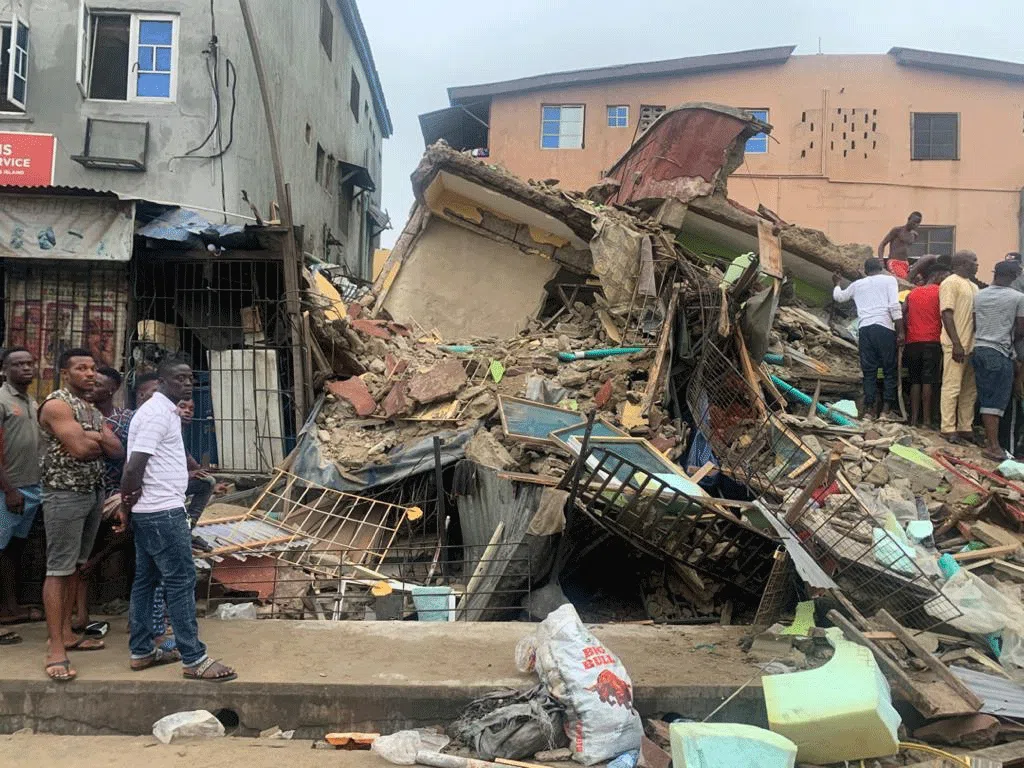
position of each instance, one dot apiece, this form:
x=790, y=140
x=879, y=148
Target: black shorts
x=923, y=361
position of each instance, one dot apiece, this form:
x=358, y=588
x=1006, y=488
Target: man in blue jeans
x=998, y=322
x=153, y=494
x=880, y=331
x=19, y=479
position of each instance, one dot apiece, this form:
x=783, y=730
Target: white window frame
x=84, y=34
x=583, y=125
x=12, y=61
x=133, y=57
x=83, y=73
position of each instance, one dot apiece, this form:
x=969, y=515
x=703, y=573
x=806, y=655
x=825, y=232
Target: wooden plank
x=769, y=248
x=523, y=477
x=766, y=380
x=979, y=564
x=811, y=461
x=936, y=666
x=981, y=554
x=993, y=535
x=656, y=374
x=482, y=569
x=703, y=472
x=818, y=479
x=977, y=657
x=900, y=678
x=1010, y=569
x=748, y=373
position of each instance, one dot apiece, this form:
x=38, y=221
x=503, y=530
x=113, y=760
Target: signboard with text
x=27, y=159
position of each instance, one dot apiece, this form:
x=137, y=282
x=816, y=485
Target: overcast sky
x=423, y=46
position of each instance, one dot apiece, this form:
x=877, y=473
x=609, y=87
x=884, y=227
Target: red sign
x=26, y=159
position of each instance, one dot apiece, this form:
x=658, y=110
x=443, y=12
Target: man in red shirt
x=923, y=353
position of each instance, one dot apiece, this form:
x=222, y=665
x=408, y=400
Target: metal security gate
x=51, y=306
x=228, y=316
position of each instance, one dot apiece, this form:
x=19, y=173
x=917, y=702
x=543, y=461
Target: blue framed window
x=561, y=126
x=758, y=145
x=618, y=116
x=155, y=49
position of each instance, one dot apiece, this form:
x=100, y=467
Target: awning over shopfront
x=50, y=225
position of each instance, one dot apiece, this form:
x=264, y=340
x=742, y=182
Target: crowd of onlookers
x=950, y=333
x=84, y=462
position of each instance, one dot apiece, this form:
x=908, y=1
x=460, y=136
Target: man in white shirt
x=880, y=331
x=153, y=494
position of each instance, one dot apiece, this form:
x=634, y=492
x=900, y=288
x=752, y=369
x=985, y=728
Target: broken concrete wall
x=809, y=244
x=464, y=284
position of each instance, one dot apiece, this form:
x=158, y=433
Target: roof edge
x=755, y=57
x=958, y=63
x=350, y=14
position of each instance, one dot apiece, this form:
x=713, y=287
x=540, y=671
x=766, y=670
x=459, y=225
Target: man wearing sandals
x=153, y=494
x=19, y=480
x=72, y=480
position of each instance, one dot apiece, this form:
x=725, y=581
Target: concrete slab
x=363, y=676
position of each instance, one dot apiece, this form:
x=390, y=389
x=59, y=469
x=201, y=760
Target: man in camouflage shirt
x=72, y=481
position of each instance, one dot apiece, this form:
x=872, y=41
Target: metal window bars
x=50, y=307
x=667, y=522
x=229, y=316
x=754, y=446
x=310, y=525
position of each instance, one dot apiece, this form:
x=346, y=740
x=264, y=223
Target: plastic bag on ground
x=511, y=724
x=401, y=748
x=230, y=611
x=197, y=724
x=987, y=611
x=591, y=683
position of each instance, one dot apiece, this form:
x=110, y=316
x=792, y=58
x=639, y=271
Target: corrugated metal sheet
x=66, y=191
x=682, y=155
x=1002, y=697
x=496, y=500
x=247, y=534
x=181, y=225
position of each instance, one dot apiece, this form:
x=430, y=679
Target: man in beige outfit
x=959, y=392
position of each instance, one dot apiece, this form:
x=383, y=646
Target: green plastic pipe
x=795, y=394
x=772, y=359
x=597, y=354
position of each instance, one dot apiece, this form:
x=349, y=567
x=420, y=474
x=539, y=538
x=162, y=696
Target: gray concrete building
x=159, y=100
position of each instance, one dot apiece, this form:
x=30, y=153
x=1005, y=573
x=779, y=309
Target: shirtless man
x=899, y=241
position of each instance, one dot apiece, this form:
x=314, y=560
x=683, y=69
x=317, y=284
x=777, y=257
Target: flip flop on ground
x=65, y=676
x=93, y=629
x=86, y=644
x=158, y=658
x=9, y=638
x=210, y=671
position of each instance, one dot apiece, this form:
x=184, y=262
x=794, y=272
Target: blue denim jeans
x=163, y=554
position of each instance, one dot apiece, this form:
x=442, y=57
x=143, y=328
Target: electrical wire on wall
x=231, y=81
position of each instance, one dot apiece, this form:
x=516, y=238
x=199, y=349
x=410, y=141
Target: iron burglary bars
x=229, y=317
x=51, y=306
x=664, y=521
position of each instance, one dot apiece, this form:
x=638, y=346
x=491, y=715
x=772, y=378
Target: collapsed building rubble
x=542, y=382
